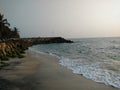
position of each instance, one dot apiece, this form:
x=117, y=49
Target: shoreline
x=43, y=72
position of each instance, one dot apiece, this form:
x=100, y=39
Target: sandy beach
x=42, y=72
x=14, y=76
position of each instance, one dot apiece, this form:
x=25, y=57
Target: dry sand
x=14, y=76
x=42, y=72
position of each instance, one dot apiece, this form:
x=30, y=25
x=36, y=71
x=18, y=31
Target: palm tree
x=3, y=21
x=15, y=33
x=3, y=24
x=5, y=31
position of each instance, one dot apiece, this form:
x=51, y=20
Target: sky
x=66, y=18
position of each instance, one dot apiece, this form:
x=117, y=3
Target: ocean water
x=97, y=59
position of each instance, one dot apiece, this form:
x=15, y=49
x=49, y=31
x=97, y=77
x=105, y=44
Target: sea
x=97, y=59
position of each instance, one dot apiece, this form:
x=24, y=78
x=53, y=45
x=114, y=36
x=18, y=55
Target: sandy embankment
x=44, y=73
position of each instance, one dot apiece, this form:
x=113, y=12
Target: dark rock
x=48, y=40
x=15, y=47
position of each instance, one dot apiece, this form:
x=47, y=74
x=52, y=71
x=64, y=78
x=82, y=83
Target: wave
x=93, y=72
x=88, y=70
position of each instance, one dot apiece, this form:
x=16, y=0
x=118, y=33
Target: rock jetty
x=47, y=40
x=15, y=47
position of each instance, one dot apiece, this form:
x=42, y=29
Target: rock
x=48, y=40
x=15, y=47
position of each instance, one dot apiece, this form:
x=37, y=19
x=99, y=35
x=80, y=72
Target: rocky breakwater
x=47, y=40
x=11, y=48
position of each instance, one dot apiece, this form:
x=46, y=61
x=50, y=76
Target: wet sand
x=42, y=72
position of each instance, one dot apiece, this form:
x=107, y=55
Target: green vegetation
x=5, y=31
x=11, y=49
x=10, y=43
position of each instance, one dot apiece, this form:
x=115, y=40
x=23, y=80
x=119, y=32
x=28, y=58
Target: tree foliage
x=5, y=31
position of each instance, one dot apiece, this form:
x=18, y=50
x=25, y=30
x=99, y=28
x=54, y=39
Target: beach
x=34, y=54
x=43, y=72
x=14, y=76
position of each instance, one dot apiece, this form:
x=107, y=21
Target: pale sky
x=66, y=18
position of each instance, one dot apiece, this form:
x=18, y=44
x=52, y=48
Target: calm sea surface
x=94, y=58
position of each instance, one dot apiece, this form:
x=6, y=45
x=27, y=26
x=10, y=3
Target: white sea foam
x=93, y=72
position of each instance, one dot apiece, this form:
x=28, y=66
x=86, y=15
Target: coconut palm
x=15, y=33
x=5, y=30
x=3, y=21
x=3, y=26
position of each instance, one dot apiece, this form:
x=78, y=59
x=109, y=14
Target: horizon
x=65, y=18
x=93, y=37
x=73, y=37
